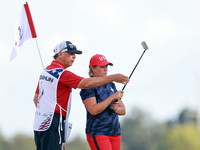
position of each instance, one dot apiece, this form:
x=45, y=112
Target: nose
x=74, y=55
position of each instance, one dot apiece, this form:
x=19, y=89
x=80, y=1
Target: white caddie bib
x=47, y=98
x=47, y=101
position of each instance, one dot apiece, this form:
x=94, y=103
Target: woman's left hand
x=114, y=106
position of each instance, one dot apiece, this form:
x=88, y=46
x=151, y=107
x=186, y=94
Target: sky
x=165, y=82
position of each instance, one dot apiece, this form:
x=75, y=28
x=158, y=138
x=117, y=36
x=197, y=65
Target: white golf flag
x=24, y=29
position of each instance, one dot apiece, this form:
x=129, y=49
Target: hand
x=118, y=95
x=120, y=78
x=114, y=106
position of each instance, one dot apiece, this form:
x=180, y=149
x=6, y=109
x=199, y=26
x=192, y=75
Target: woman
x=102, y=127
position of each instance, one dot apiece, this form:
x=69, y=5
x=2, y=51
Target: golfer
x=53, y=97
x=102, y=127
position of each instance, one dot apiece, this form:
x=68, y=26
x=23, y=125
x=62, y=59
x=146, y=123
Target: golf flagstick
x=39, y=54
x=144, y=45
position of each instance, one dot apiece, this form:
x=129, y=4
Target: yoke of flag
x=55, y=72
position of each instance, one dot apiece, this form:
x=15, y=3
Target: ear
x=60, y=54
x=93, y=68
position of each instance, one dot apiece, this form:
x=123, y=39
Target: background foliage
x=139, y=132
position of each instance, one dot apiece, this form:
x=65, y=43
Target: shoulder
x=83, y=91
x=70, y=79
x=70, y=74
x=87, y=93
x=111, y=84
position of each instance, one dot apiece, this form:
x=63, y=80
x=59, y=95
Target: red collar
x=57, y=64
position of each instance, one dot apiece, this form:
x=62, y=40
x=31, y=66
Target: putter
x=144, y=45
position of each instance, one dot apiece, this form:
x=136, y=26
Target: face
x=67, y=59
x=100, y=71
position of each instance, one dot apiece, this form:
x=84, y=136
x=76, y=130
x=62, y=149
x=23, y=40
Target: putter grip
x=110, y=111
x=116, y=100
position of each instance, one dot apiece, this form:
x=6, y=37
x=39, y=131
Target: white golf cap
x=66, y=46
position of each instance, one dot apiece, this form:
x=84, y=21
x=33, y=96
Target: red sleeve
x=69, y=79
x=37, y=90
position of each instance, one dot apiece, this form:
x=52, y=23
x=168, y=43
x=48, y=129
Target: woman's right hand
x=118, y=95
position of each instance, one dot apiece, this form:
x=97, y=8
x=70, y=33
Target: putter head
x=144, y=45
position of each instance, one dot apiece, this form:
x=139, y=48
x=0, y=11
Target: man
x=53, y=97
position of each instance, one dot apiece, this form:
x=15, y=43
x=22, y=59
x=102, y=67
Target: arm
x=95, y=108
x=87, y=83
x=119, y=107
x=35, y=99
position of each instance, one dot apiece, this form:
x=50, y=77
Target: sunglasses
x=69, y=47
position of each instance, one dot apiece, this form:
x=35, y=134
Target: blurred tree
x=187, y=116
x=22, y=142
x=157, y=136
x=139, y=132
x=136, y=131
x=3, y=144
x=182, y=137
x=77, y=144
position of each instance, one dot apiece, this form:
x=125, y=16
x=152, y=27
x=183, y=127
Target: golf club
x=144, y=45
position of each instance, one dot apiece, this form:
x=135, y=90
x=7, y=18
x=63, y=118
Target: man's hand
x=120, y=78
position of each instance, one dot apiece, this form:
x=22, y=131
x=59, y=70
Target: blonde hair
x=91, y=73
